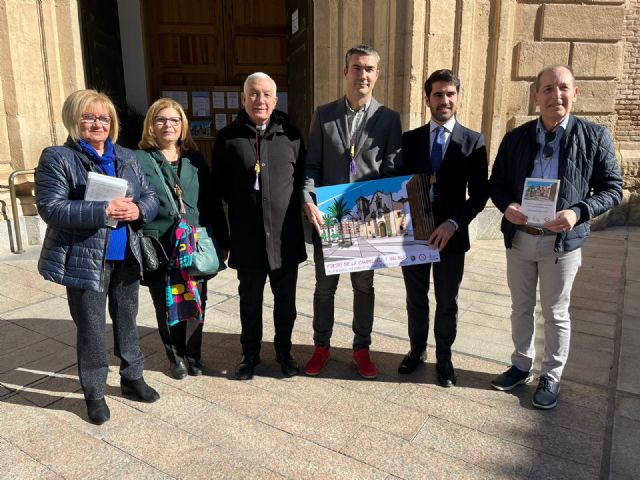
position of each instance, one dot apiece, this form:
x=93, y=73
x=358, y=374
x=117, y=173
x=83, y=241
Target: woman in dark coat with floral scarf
x=182, y=180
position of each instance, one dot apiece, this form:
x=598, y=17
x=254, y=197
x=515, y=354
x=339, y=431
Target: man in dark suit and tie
x=352, y=139
x=455, y=158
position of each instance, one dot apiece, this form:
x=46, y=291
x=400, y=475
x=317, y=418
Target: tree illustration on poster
x=329, y=223
x=338, y=209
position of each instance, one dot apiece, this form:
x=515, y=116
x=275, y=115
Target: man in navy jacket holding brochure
x=581, y=156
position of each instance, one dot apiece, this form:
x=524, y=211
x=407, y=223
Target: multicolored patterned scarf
x=183, y=298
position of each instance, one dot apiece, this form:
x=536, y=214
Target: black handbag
x=153, y=255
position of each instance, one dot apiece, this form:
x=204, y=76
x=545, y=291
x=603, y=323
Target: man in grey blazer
x=352, y=139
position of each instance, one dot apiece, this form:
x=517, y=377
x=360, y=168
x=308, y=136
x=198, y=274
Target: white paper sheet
x=105, y=188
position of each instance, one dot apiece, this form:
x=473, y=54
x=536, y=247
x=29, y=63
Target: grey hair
x=257, y=76
x=360, y=50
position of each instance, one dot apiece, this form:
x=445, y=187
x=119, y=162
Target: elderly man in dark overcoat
x=258, y=168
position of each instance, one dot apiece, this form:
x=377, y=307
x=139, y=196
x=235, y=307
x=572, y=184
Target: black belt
x=537, y=231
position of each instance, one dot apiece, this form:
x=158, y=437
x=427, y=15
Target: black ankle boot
x=98, y=411
x=194, y=366
x=244, y=371
x=138, y=390
x=178, y=369
x=288, y=364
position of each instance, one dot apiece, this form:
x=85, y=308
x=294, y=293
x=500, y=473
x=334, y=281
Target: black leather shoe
x=194, y=366
x=288, y=364
x=178, y=369
x=411, y=361
x=98, y=411
x=246, y=367
x=546, y=395
x=138, y=390
x=446, y=373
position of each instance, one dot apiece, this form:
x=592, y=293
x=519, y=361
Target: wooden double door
x=200, y=45
x=205, y=43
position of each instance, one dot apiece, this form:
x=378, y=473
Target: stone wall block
x=582, y=22
x=596, y=96
x=602, y=60
x=608, y=121
x=531, y=57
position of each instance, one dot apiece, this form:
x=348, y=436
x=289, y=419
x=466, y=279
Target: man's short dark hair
x=360, y=50
x=443, y=75
x=552, y=67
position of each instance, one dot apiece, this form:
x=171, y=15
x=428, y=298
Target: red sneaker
x=317, y=361
x=366, y=368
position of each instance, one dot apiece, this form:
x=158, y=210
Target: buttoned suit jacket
x=377, y=149
x=464, y=168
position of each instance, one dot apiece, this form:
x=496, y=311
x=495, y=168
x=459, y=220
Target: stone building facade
x=496, y=46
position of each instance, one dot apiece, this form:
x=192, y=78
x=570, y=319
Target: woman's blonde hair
x=77, y=103
x=149, y=139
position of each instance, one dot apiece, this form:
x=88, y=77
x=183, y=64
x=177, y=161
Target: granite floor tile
x=238, y=396
x=594, y=316
x=402, y=458
x=441, y=405
x=628, y=378
x=31, y=354
x=14, y=463
x=482, y=450
x=69, y=452
x=628, y=406
x=542, y=435
x=51, y=389
x=591, y=367
x=311, y=423
x=550, y=467
x=313, y=392
x=275, y=449
x=208, y=462
x=15, y=337
x=374, y=412
x=626, y=445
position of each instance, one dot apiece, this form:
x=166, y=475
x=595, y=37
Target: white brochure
x=539, y=199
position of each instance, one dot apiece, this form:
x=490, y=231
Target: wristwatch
x=453, y=222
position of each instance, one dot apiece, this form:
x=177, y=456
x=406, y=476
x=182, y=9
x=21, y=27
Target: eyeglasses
x=91, y=118
x=547, y=150
x=172, y=121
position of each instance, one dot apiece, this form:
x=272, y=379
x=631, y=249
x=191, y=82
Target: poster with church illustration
x=376, y=224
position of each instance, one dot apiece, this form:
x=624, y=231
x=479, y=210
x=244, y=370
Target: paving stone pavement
x=335, y=425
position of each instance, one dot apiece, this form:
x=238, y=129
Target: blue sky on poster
x=352, y=191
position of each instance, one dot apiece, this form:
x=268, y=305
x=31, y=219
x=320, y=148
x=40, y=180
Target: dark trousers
x=447, y=276
x=185, y=338
x=324, y=303
x=251, y=290
x=121, y=280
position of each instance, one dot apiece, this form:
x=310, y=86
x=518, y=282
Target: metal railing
x=14, y=206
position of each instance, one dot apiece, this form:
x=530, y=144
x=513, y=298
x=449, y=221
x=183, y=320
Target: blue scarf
x=118, y=241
